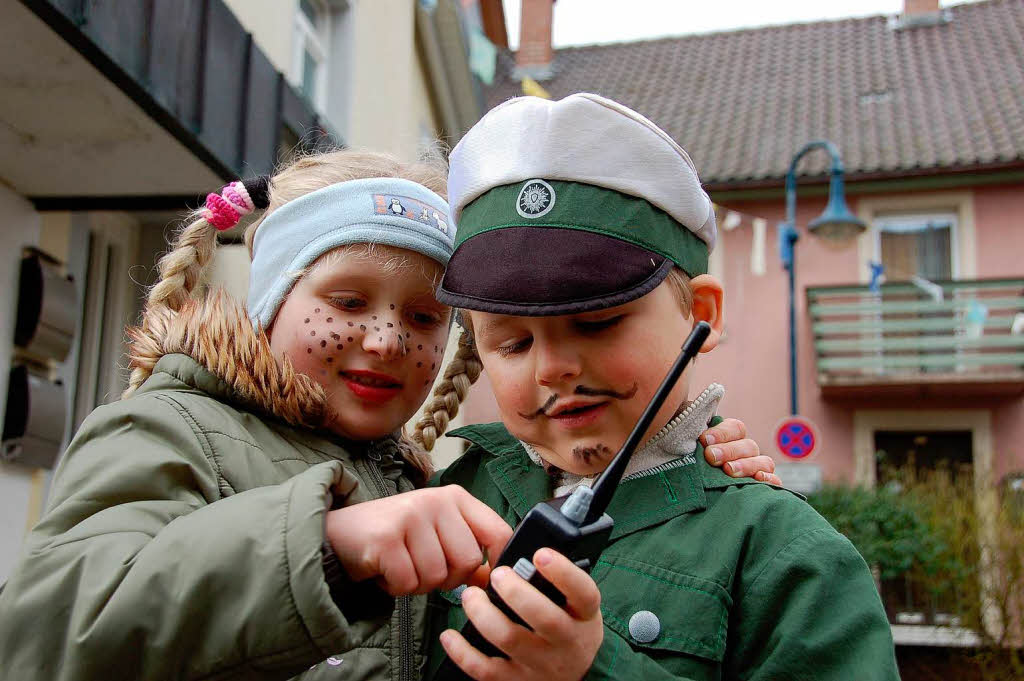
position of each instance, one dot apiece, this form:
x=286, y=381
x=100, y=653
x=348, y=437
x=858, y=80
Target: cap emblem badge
x=536, y=199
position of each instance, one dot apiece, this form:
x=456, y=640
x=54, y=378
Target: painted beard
x=586, y=454
x=579, y=453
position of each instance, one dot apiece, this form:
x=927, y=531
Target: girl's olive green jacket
x=183, y=537
x=706, y=577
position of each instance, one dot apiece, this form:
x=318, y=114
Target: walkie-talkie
x=575, y=525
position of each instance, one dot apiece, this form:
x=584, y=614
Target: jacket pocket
x=658, y=609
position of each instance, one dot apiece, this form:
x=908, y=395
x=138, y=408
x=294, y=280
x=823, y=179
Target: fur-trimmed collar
x=216, y=332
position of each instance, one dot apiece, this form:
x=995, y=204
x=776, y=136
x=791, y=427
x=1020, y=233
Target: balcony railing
x=908, y=337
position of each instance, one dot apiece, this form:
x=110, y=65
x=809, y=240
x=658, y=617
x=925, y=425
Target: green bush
x=889, y=528
x=948, y=537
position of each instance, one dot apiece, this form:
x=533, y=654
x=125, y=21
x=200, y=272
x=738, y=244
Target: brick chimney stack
x=918, y=7
x=920, y=13
x=535, y=53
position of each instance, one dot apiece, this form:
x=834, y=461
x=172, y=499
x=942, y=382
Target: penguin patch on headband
x=412, y=209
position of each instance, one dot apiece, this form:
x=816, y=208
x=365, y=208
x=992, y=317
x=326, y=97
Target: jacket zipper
x=403, y=603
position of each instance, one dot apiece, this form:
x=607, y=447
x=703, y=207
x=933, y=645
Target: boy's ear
x=708, y=302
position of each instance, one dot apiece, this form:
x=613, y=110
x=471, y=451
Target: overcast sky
x=583, y=22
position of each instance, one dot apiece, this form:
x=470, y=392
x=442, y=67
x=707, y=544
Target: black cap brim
x=544, y=271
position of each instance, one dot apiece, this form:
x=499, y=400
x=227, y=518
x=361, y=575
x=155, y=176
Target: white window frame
x=882, y=218
x=315, y=40
x=960, y=203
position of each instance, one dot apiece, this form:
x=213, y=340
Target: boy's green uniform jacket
x=183, y=535
x=745, y=580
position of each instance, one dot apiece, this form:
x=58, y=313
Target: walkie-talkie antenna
x=606, y=484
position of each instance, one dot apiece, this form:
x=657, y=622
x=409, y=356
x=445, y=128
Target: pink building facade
x=986, y=242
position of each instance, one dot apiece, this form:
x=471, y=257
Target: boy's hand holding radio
x=418, y=541
x=562, y=643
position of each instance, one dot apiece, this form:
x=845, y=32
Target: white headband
x=388, y=211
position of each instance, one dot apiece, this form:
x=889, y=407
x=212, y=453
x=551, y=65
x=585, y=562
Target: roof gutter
x=457, y=95
x=874, y=183
x=441, y=93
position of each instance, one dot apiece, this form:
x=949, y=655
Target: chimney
x=913, y=8
x=920, y=13
x=535, y=55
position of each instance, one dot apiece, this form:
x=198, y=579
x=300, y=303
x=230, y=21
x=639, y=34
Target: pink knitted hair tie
x=220, y=213
x=238, y=196
x=224, y=210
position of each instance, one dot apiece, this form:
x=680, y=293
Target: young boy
x=580, y=264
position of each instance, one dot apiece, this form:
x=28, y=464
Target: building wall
x=377, y=94
x=270, y=22
x=1000, y=209
x=20, y=495
x=390, y=106
x=753, y=359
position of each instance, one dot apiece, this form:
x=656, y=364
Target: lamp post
x=836, y=224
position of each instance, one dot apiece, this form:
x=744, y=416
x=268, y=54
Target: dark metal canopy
x=190, y=89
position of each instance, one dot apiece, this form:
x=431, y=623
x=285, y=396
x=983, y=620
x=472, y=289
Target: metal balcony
x=905, y=340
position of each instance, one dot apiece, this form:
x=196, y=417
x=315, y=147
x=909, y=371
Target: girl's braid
x=181, y=268
x=459, y=375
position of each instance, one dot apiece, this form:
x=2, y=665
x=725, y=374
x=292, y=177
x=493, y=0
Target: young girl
x=220, y=521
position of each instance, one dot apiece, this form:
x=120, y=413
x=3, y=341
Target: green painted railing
x=904, y=333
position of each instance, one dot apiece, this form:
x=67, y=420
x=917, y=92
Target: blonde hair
x=465, y=368
x=182, y=267
x=459, y=375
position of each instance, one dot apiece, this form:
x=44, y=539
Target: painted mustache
x=582, y=390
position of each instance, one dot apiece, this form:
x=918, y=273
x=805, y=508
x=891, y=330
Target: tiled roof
x=897, y=101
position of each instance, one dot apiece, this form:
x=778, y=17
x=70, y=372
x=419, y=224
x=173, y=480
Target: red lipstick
x=371, y=386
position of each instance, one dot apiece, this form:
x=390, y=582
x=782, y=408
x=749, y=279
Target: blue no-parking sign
x=795, y=437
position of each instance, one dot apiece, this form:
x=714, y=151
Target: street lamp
x=836, y=225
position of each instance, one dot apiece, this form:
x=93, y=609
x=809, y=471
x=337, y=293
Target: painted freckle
x=362, y=327
x=426, y=382
x=323, y=344
x=330, y=359
x=407, y=334
x=392, y=306
x=390, y=325
x=340, y=346
x=376, y=328
x=312, y=333
x=330, y=319
x=375, y=317
x=309, y=351
x=307, y=320
x=350, y=339
x=419, y=364
x=379, y=338
x=435, y=348
x=351, y=323
x=317, y=310
x=335, y=336
x=419, y=347
x=433, y=365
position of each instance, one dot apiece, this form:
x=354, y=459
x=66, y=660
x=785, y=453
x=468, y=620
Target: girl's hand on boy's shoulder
x=728, y=446
x=418, y=541
x=563, y=642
